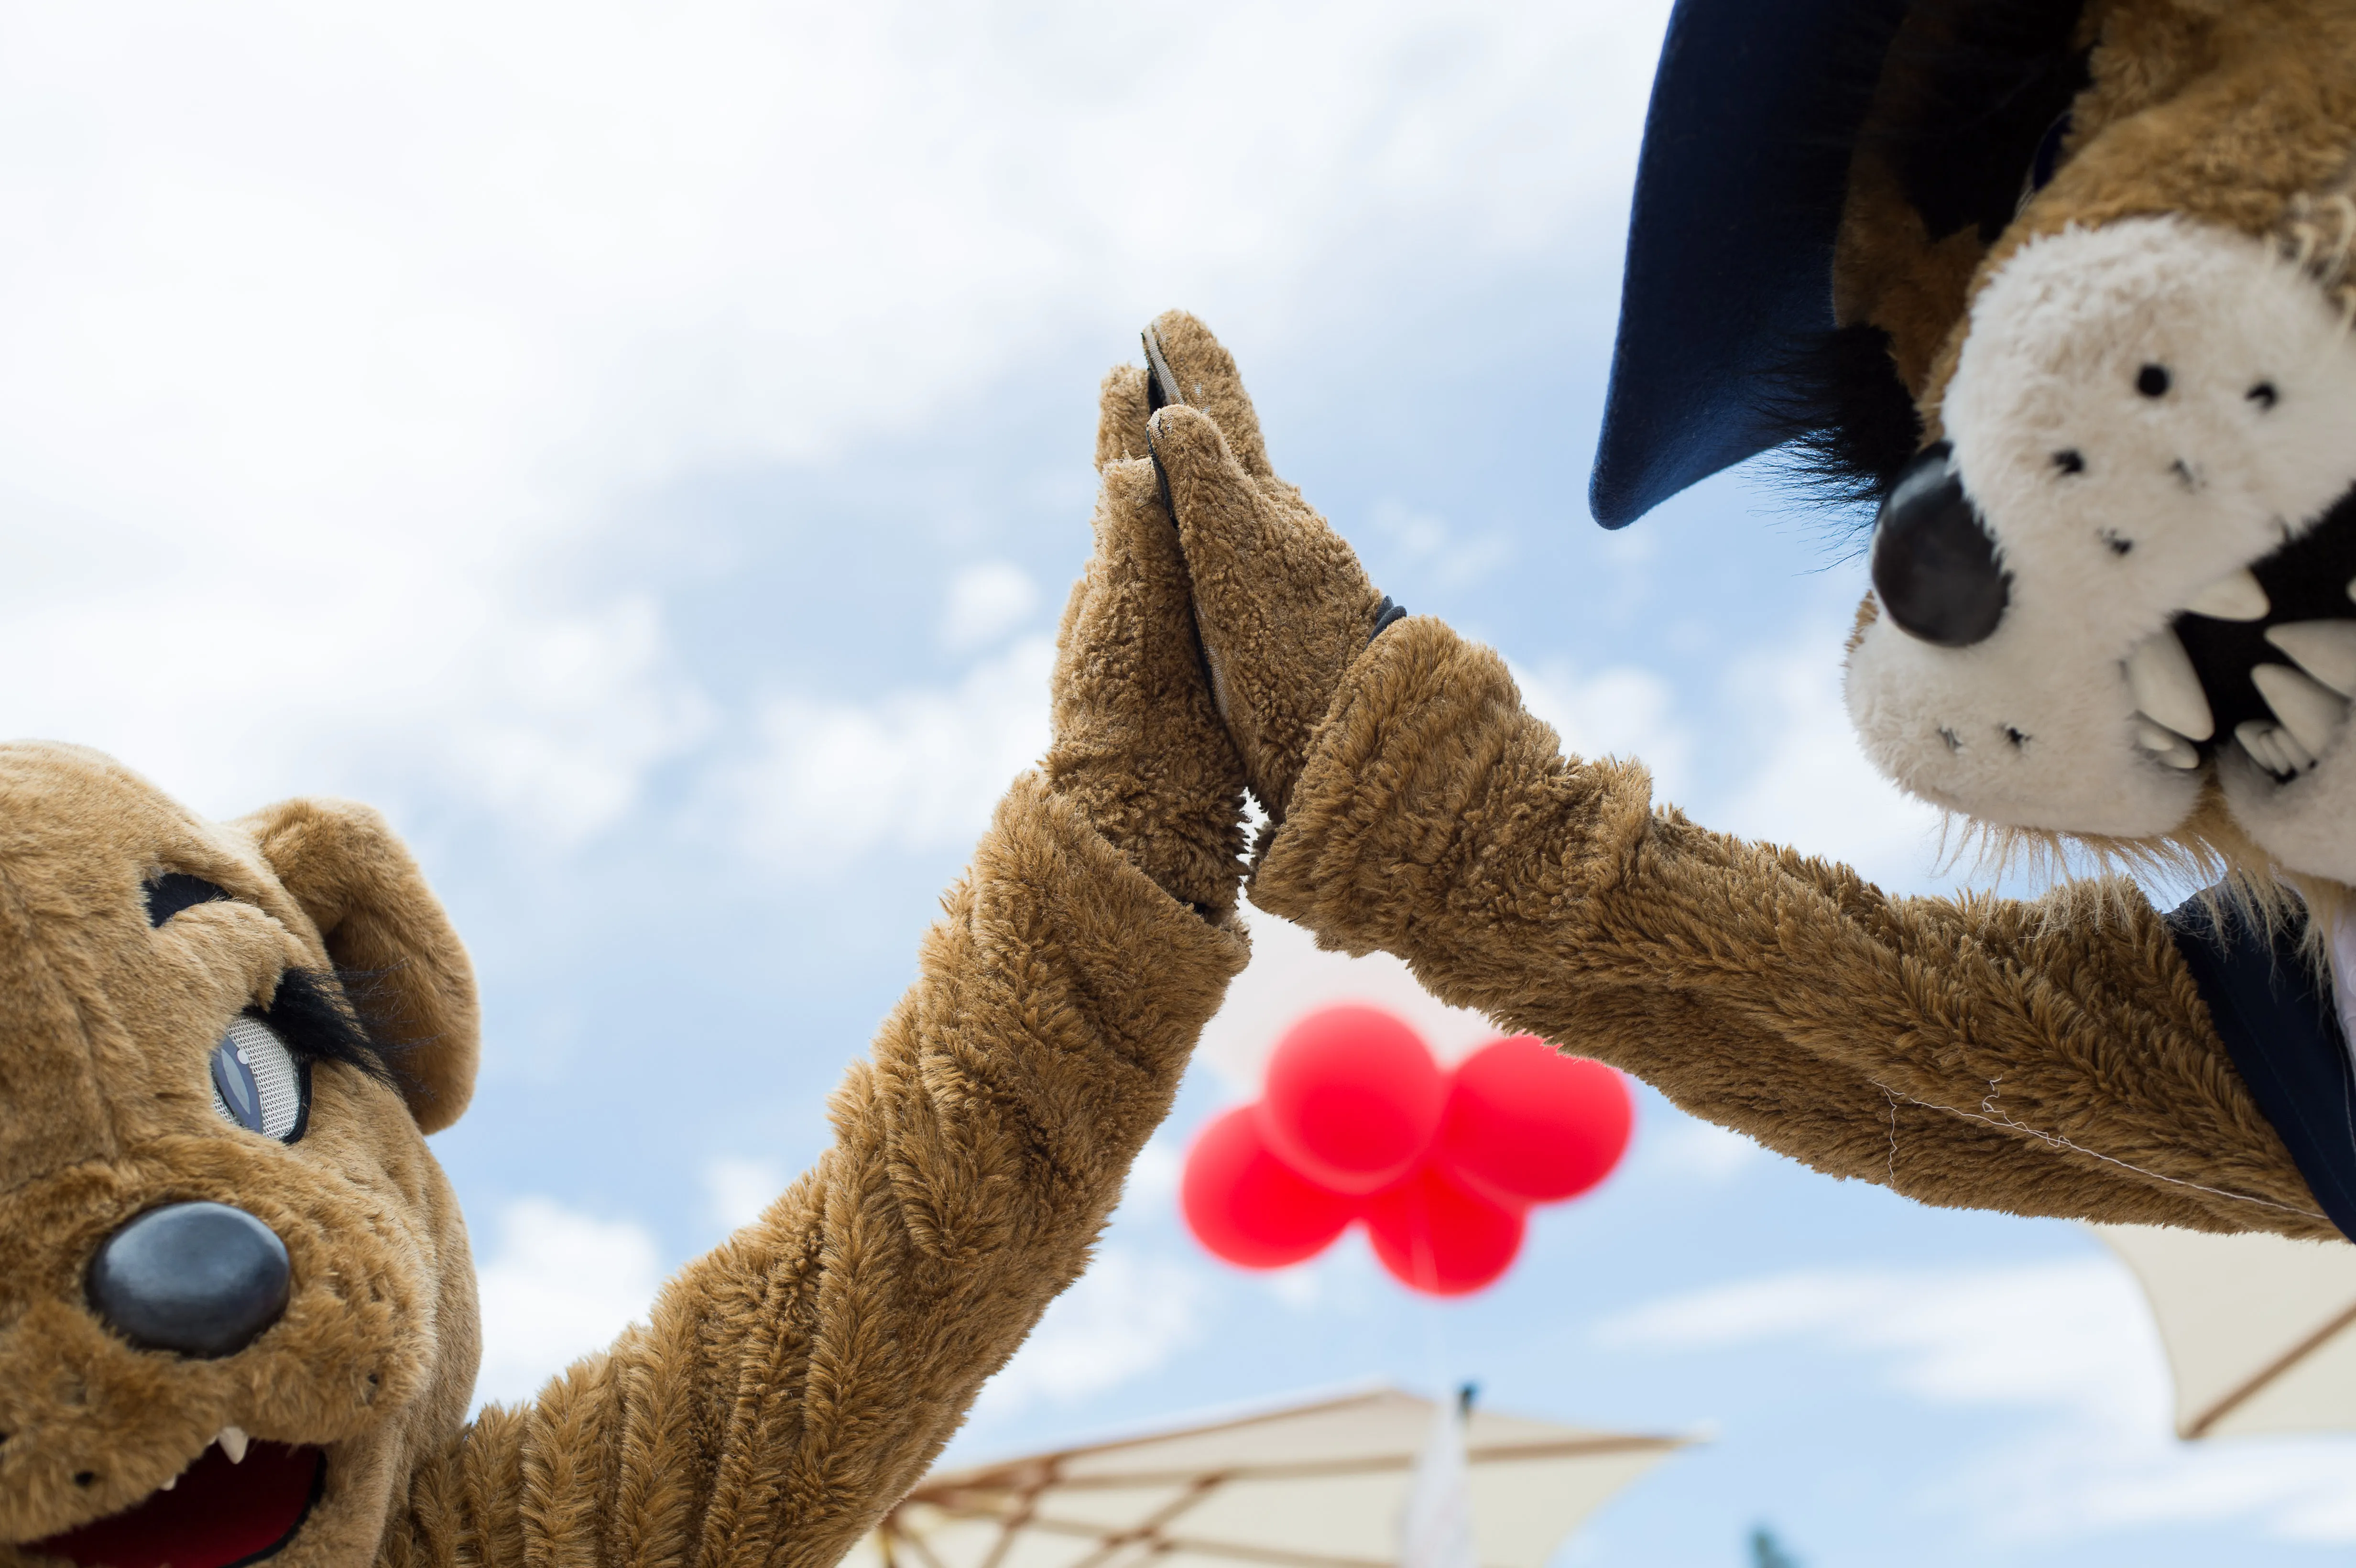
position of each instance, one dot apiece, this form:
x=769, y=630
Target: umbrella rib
x=1025, y=1507
x=1004, y=1474
x=1015, y=1508
x=1276, y=1555
x=1309, y=1468
x=917, y=1543
x=2257, y=1383
x=1150, y=1531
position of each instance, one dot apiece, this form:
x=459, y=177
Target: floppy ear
x=358, y=884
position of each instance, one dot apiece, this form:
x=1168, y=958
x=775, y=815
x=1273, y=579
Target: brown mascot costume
x=2066, y=288
x=237, y=1314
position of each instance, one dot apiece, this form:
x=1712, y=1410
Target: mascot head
x=2065, y=288
x=237, y=1307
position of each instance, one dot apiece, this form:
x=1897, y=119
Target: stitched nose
x=1934, y=564
x=199, y=1279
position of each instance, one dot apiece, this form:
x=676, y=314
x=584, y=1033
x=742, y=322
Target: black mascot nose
x=200, y=1279
x=1934, y=564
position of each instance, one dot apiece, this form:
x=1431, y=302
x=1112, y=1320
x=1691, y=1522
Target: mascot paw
x=1282, y=603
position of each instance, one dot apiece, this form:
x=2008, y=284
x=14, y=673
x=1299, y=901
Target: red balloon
x=1353, y=1099
x=1440, y=1237
x=1249, y=1207
x=1526, y=1125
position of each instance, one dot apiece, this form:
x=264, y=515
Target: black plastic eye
x=2152, y=381
x=2069, y=460
x=2263, y=394
x=257, y=1083
x=1934, y=567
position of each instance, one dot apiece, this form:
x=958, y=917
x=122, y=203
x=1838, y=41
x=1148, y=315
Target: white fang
x=2325, y=649
x=2236, y=596
x=2161, y=674
x=2310, y=713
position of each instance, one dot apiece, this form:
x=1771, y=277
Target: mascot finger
x=1282, y=603
x=1122, y=407
x=1189, y=365
x=1138, y=744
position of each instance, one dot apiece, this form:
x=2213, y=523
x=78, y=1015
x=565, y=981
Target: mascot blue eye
x=257, y=1083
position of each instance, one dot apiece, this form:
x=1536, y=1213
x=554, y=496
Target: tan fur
x=355, y=881
x=1157, y=774
x=796, y=1381
x=1253, y=546
x=2049, y=1057
x=376, y=1346
x=791, y=1384
x=2238, y=115
x=2044, y=1057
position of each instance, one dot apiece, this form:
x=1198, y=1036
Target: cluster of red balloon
x=1357, y=1122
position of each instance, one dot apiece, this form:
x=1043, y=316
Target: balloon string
x=1418, y=1230
x=1426, y=1274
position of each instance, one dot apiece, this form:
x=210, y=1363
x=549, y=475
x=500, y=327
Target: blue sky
x=643, y=451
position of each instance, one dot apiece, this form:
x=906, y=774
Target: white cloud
x=1812, y=786
x=1624, y=712
x=2071, y=1342
x=737, y=1189
x=1682, y=1146
x=1154, y=1175
x=918, y=769
x=561, y=1285
x=293, y=424
x=986, y=601
x=1432, y=550
x=1773, y=758
x=1128, y=1315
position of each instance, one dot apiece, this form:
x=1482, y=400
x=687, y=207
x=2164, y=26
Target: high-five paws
x=1138, y=744
x=1282, y=602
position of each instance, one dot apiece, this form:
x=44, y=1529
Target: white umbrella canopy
x=2261, y=1331
x=1319, y=1485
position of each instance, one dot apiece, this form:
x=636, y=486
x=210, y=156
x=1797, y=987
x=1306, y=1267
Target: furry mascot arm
x=2045, y=1058
x=793, y=1384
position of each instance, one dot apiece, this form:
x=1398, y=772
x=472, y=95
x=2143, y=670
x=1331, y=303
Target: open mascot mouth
x=217, y=1514
x=2268, y=661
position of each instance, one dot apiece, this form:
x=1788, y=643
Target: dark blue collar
x=2283, y=1029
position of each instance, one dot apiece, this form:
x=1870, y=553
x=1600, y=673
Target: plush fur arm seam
x=1437, y=820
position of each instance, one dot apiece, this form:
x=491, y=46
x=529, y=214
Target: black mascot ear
x=385, y=930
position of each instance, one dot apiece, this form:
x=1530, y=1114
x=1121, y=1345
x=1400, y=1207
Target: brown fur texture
x=342, y=864
x=790, y=1384
x=1158, y=775
x=2236, y=114
x=795, y=1382
x=2241, y=115
x=1275, y=648
x=2049, y=1057
x=105, y=1025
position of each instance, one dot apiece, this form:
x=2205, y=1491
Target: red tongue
x=218, y=1516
